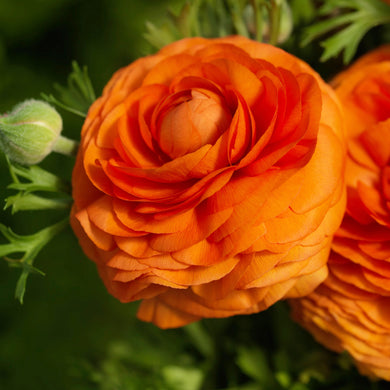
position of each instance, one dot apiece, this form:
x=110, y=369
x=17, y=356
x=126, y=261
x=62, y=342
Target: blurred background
x=70, y=333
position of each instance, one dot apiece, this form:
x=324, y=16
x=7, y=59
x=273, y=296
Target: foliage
x=77, y=96
x=261, y=352
x=257, y=19
x=30, y=245
x=353, y=18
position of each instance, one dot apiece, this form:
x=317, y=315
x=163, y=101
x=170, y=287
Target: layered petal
x=209, y=180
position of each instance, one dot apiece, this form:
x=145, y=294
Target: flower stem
x=66, y=146
x=257, y=7
x=236, y=15
x=275, y=16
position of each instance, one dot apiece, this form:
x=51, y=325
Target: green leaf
x=17, y=243
x=283, y=378
x=200, y=339
x=347, y=40
x=253, y=362
x=182, y=378
x=354, y=17
x=26, y=201
x=299, y=386
x=236, y=11
x=247, y=386
x=29, y=246
x=77, y=96
x=302, y=11
x=159, y=37
x=174, y=27
x=318, y=29
x=27, y=267
x=37, y=178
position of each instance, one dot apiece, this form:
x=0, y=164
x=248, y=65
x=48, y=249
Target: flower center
x=193, y=120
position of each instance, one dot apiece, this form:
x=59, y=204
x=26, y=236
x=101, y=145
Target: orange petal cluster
x=351, y=309
x=209, y=180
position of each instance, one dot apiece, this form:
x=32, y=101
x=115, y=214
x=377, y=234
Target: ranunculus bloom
x=351, y=309
x=209, y=180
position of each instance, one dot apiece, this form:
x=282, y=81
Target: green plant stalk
x=275, y=16
x=258, y=14
x=194, y=25
x=238, y=21
x=66, y=146
x=220, y=11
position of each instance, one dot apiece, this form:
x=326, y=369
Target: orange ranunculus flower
x=351, y=309
x=209, y=180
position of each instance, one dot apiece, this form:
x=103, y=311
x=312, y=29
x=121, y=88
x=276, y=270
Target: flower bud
x=29, y=132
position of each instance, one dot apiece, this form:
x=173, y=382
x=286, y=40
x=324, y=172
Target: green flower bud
x=30, y=131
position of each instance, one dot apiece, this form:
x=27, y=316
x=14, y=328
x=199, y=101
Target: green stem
x=258, y=17
x=275, y=16
x=220, y=15
x=66, y=146
x=194, y=24
x=237, y=18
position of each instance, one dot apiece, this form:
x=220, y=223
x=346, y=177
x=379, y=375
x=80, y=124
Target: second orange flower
x=209, y=180
x=350, y=310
